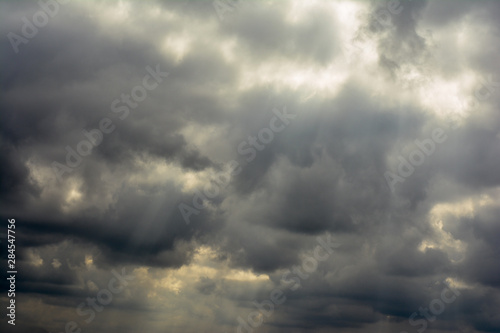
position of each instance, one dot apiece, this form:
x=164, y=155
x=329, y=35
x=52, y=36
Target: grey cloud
x=323, y=174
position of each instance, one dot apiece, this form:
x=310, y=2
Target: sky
x=262, y=166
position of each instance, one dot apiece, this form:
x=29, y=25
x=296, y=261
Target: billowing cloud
x=190, y=166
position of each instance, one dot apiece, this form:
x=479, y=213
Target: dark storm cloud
x=482, y=233
x=15, y=185
x=347, y=156
x=72, y=76
x=324, y=173
x=125, y=234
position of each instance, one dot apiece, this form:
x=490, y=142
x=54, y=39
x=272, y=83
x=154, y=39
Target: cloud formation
x=367, y=83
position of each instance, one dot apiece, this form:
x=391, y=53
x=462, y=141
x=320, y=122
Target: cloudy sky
x=271, y=166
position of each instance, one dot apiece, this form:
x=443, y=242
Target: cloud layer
x=365, y=85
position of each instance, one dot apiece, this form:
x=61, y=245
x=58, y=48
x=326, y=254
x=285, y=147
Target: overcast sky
x=337, y=161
